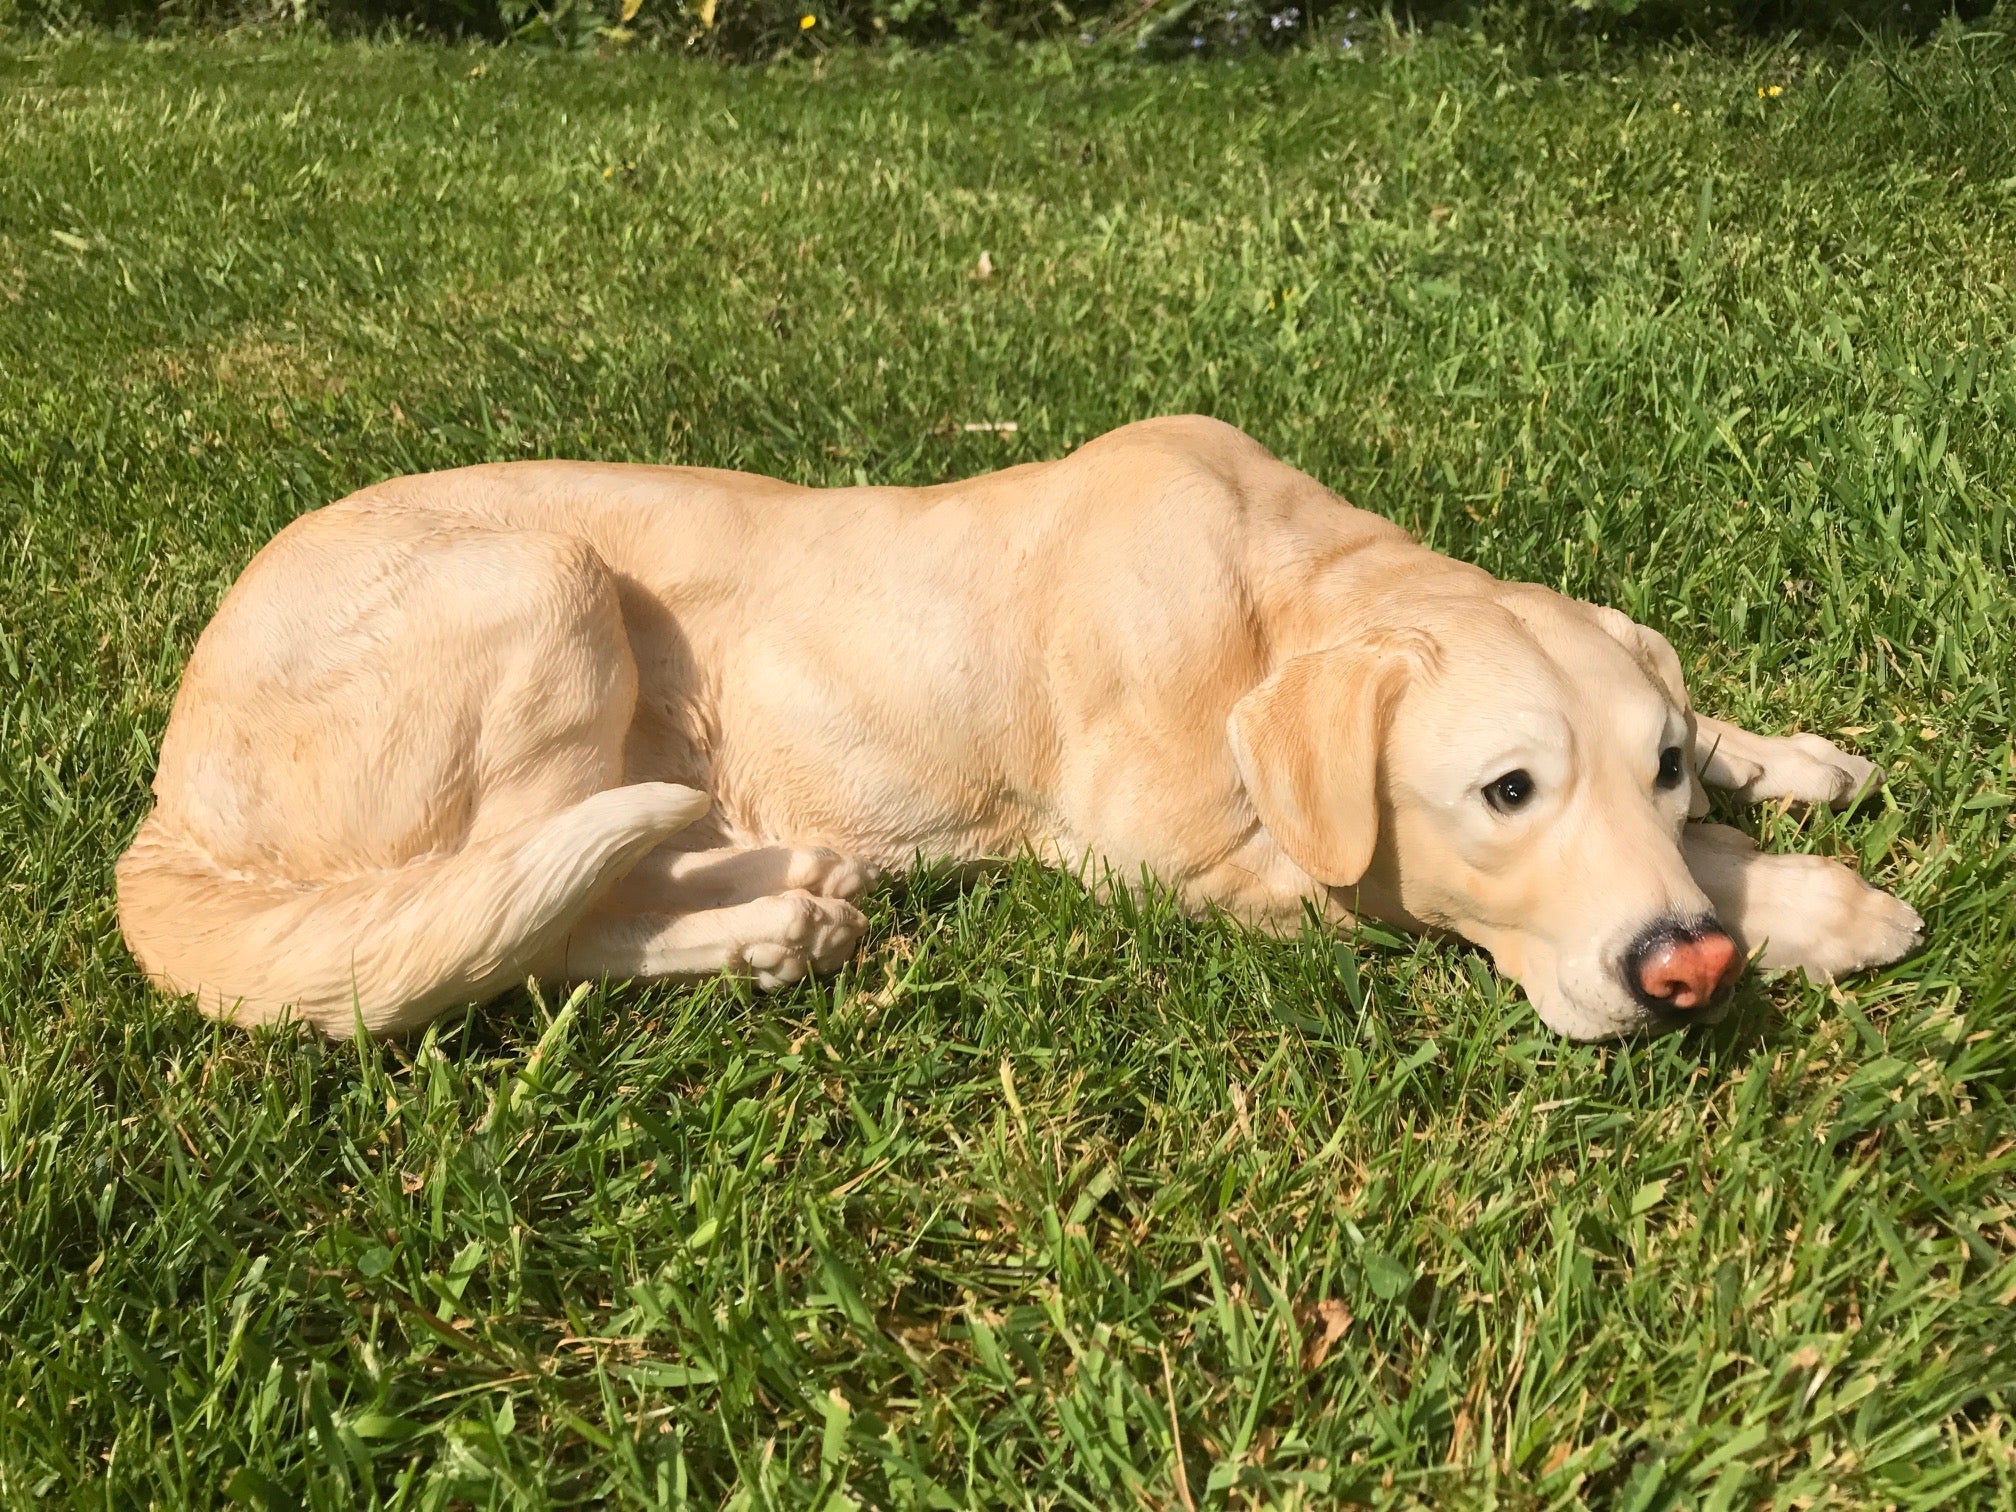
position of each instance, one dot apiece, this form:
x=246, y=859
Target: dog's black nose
x=1675, y=967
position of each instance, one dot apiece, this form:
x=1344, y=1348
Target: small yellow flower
x=807, y=21
x=1771, y=91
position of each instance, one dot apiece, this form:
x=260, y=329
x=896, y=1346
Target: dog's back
x=432, y=724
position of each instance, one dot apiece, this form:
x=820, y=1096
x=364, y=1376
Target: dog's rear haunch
x=572, y=720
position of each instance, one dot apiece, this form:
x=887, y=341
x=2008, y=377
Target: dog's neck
x=1370, y=578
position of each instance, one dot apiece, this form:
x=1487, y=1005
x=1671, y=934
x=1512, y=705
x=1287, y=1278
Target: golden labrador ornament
x=569, y=720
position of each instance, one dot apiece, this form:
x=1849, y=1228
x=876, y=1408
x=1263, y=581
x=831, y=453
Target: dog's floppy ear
x=1649, y=649
x=1653, y=652
x=1308, y=742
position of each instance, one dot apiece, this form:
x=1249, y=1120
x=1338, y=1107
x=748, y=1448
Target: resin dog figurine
x=568, y=720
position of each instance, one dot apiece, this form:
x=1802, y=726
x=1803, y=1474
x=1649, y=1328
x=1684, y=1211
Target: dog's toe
x=1888, y=930
x=1819, y=771
x=846, y=878
x=806, y=934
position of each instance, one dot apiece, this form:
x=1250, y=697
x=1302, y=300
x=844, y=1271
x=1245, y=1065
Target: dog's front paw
x=799, y=935
x=1814, y=770
x=1819, y=916
x=1802, y=768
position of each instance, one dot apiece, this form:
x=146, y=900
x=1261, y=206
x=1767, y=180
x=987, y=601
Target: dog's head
x=1515, y=768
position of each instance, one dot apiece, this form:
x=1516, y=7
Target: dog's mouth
x=1660, y=1022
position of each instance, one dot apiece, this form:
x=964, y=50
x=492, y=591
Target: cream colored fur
x=456, y=729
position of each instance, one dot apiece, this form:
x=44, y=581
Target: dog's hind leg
x=393, y=780
x=776, y=940
x=670, y=881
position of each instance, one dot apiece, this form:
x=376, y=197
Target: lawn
x=1045, y=1202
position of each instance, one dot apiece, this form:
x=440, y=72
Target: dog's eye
x=1669, y=767
x=1510, y=791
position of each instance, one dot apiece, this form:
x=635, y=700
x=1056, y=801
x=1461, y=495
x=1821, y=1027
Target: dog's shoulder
x=1187, y=441
x=1201, y=469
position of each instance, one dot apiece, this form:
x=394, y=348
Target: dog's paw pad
x=804, y=934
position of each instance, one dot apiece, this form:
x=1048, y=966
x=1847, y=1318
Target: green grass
x=1045, y=1202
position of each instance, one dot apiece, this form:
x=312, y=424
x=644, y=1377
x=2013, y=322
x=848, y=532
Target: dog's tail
x=391, y=948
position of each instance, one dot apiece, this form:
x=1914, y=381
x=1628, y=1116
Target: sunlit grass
x=1039, y=1178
